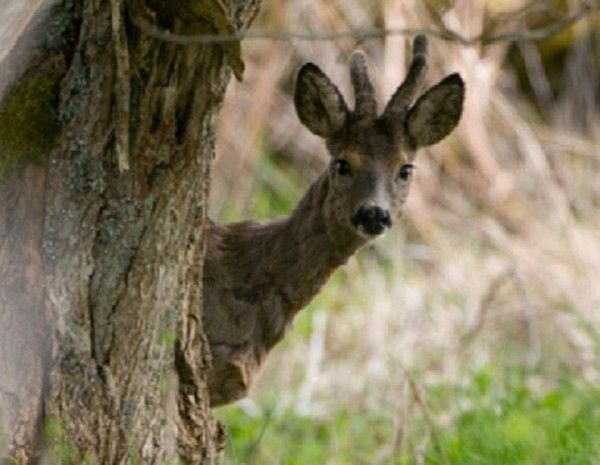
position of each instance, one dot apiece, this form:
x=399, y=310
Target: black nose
x=373, y=219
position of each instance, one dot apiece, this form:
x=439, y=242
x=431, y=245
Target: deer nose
x=373, y=220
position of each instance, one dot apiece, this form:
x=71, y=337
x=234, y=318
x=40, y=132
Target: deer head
x=371, y=156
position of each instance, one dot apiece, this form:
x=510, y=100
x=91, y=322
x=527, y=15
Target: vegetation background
x=470, y=334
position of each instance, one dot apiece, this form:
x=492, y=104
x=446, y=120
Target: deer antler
x=398, y=106
x=366, y=105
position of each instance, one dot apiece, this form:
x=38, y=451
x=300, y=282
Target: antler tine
x=399, y=103
x=366, y=105
x=420, y=45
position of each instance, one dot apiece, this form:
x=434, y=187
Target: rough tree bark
x=101, y=339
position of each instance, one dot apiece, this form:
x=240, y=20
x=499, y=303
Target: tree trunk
x=101, y=339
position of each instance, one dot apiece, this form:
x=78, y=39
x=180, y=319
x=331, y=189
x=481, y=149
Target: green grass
x=515, y=425
x=501, y=421
x=292, y=439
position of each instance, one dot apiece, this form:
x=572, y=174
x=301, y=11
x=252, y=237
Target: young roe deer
x=258, y=276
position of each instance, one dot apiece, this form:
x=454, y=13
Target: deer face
x=370, y=176
x=372, y=156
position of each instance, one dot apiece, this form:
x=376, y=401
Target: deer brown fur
x=258, y=276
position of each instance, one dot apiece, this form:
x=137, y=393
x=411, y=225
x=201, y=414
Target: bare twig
x=396, y=447
x=536, y=74
x=482, y=310
x=530, y=314
x=401, y=422
x=122, y=85
x=420, y=401
x=367, y=33
x=253, y=446
x=535, y=7
x=531, y=320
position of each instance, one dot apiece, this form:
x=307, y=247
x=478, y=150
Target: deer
x=258, y=276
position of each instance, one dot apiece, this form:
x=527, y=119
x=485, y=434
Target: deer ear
x=319, y=104
x=436, y=113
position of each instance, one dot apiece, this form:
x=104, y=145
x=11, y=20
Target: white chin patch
x=371, y=233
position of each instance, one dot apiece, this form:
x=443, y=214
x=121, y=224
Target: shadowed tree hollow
x=106, y=138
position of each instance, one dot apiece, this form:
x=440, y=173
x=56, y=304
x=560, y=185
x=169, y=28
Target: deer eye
x=405, y=171
x=342, y=167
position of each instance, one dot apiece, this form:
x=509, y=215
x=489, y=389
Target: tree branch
x=152, y=30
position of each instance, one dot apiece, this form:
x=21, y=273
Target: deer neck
x=290, y=259
x=261, y=275
x=320, y=240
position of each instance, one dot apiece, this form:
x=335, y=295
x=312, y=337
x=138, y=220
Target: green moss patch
x=28, y=123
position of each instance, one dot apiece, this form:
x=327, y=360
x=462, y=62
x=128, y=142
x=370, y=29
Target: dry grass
x=498, y=257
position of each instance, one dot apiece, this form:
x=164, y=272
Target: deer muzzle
x=372, y=220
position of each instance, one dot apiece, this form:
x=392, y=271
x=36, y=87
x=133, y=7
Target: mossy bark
x=101, y=268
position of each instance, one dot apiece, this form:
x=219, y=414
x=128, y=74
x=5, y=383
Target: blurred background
x=470, y=333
